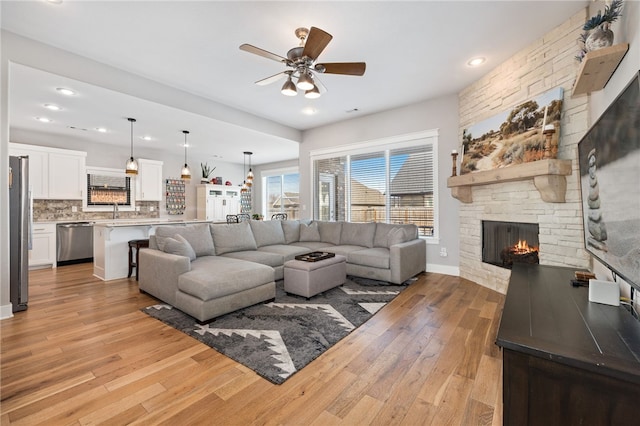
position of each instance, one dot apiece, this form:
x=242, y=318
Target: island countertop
x=144, y=222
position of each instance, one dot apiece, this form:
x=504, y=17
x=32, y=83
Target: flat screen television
x=609, y=161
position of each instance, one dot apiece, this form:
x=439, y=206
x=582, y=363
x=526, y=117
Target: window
x=394, y=183
x=281, y=194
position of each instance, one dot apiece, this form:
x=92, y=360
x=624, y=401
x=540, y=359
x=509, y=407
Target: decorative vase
x=599, y=37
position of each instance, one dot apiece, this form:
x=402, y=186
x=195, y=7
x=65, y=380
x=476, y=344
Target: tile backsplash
x=56, y=210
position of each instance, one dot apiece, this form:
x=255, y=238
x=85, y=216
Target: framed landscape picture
x=513, y=136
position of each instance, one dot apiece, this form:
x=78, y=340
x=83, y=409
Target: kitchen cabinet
x=38, y=168
x=43, y=247
x=67, y=176
x=149, y=180
x=215, y=202
x=54, y=173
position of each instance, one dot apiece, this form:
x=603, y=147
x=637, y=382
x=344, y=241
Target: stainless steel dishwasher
x=74, y=243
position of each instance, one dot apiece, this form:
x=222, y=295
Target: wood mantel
x=548, y=177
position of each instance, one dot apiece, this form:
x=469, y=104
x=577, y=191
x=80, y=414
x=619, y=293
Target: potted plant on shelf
x=597, y=33
x=256, y=216
x=206, y=172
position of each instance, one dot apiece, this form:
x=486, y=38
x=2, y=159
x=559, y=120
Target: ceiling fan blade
x=272, y=79
x=317, y=40
x=261, y=52
x=348, y=68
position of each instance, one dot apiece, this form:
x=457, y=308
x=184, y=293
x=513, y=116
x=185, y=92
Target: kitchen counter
x=111, y=243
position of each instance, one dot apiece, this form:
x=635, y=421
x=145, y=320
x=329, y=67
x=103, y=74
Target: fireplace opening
x=506, y=243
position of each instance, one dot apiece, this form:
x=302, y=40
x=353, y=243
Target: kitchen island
x=111, y=243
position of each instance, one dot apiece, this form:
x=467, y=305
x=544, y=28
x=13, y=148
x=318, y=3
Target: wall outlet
x=74, y=209
x=443, y=252
x=151, y=208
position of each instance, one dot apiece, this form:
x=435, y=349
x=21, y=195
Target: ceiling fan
x=302, y=60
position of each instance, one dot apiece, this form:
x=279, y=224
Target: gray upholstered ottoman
x=310, y=278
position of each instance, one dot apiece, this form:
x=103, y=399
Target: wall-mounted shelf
x=597, y=68
x=548, y=177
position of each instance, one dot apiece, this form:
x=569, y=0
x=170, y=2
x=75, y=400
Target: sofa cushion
x=263, y=257
x=291, y=229
x=267, y=232
x=358, y=234
x=343, y=250
x=309, y=232
x=402, y=234
x=209, y=277
x=312, y=245
x=196, y=234
x=381, y=238
x=179, y=246
x=329, y=232
x=288, y=251
x=377, y=257
x=228, y=238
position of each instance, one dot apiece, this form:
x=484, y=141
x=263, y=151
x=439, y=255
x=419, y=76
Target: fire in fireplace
x=506, y=243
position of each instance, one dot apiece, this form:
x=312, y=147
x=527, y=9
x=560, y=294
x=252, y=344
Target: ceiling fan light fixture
x=305, y=82
x=288, y=88
x=314, y=93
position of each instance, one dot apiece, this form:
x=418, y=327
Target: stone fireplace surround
x=543, y=65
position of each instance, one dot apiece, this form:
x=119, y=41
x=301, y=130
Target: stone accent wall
x=545, y=64
x=56, y=210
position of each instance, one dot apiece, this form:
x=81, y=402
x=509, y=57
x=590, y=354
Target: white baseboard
x=6, y=311
x=444, y=269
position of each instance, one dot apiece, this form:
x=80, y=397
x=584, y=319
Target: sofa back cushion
x=358, y=234
x=330, y=232
x=388, y=234
x=402, y=234
x=228, y=238
x=180, y=246
x=309, y=232
x=196, y=234
x=291, y=230
x=267, y=232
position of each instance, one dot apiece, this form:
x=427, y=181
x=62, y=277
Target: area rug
x=279, y=338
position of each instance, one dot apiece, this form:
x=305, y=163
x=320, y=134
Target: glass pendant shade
x=131, y=167
x=305, y=82
x=185, y=173
x=289, y=89
x=314, y=93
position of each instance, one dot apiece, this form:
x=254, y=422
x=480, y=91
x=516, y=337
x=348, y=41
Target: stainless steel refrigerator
x=19, y=231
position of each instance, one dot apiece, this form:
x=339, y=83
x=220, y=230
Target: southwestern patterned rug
x=278, y=339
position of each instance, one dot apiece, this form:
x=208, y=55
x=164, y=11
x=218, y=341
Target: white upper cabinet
x=54, y=173
x=67, y=176
x=149, y=180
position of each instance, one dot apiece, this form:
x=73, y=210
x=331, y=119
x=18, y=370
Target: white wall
x=440, y=114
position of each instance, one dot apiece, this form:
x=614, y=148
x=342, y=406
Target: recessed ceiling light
x=474, y=62
x=66, y=91
x=309, y=111
x=101, y=129
x=52, y=107
x=44, y=119
x=145, y=138
x=54, y=1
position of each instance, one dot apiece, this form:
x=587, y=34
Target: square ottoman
x=310, y=278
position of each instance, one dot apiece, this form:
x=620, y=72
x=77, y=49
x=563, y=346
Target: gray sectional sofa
x=208, y=270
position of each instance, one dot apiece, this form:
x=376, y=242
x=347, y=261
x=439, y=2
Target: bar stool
x=137, y=244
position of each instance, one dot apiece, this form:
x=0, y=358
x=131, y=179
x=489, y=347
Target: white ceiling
x=414, y=51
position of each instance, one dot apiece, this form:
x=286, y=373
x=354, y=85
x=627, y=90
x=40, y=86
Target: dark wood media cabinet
x=566, y=361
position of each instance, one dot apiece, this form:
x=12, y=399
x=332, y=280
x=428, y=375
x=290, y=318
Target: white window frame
x=274, y=172
x=399, y=141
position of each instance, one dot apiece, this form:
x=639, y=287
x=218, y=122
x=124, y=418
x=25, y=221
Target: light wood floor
x=83, y=353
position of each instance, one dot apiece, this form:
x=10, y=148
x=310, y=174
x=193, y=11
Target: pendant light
x=131, y=168
x=250, y=174
x=305, y=82
x=288, y=88
x=185, y=173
